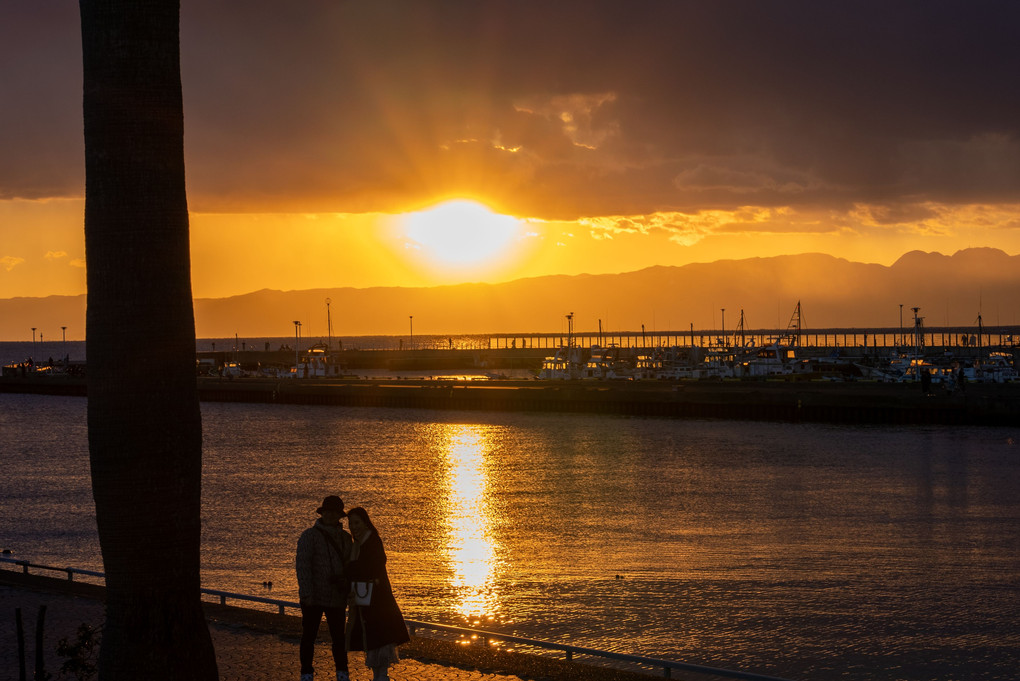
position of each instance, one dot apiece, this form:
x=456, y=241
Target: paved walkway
x=242, y=653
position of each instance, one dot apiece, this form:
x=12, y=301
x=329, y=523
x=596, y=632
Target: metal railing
x=667, y=666
x=657, y=663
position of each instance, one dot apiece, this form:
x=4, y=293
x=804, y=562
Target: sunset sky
x=591, y=137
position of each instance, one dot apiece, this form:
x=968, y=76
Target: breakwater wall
x=819, y=401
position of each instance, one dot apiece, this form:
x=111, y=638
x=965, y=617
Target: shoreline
x=476, y=657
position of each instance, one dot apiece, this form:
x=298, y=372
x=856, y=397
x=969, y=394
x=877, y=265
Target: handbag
x=362, y=592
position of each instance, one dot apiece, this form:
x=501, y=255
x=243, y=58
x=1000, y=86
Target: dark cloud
x=554, y=109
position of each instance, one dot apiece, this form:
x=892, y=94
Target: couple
x=329, y=560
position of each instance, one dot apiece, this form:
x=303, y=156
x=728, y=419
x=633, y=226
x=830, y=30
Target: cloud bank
x=559, y=110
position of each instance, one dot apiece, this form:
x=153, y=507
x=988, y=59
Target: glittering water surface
x=806, y=551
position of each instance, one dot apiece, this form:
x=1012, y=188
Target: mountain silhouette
x=833, y=292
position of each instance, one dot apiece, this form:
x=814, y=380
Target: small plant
x=80, y=661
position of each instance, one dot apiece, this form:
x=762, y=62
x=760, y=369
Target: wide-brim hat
x=332, y=503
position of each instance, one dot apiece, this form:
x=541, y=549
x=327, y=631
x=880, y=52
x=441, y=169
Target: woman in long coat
x=377, y=628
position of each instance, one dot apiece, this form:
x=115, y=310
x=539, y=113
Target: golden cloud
x=9, y=262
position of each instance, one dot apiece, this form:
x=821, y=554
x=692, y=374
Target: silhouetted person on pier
x=322, y=554
x=925, y=380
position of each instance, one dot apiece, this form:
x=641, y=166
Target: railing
x=667, y=666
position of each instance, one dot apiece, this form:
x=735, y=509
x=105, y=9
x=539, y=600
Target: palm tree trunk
x=145, y=431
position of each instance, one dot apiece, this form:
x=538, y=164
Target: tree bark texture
x=145, y=431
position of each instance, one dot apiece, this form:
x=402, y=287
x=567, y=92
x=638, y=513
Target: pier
x=874, y=338
x=525, y=351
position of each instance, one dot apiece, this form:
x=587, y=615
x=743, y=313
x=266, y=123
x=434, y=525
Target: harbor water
x=799, y=550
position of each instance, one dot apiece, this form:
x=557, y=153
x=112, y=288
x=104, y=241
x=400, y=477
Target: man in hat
x=322, y=551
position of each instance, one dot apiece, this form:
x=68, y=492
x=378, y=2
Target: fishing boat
x=564, y=365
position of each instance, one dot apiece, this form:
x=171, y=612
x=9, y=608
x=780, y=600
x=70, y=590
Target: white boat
x=775, y=359
x=606, y=363
x=316, y=363
x=997, y=367
x=563, y=366
x=717, y=362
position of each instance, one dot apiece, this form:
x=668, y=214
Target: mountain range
x=833, y=293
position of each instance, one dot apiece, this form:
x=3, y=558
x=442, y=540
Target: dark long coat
x=373, y=626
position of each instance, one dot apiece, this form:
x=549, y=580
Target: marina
x=949, y=375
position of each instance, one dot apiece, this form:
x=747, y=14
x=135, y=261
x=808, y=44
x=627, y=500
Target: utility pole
x=918, y=338
x=329, y=327
x=901, y=325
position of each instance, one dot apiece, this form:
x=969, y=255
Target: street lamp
x=410, y=342
x=63, y=342
x=724, y=325
x=329, y=326
x=901, y=342
x=918, y=337
x=33, y=342
x=297, y=343
x=570, y=330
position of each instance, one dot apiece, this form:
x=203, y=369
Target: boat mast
x=793, y=328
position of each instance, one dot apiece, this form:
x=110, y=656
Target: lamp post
x=901, y=325
x=918, y=337
x=329, y=327
x=570, y=330
x=33, y=342
x=724, y=325
x=410, y=341
x=297, y=343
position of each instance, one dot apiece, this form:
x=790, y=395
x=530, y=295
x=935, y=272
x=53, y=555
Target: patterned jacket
x=320, y=571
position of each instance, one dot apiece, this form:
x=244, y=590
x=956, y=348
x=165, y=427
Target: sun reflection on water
x=470, y=546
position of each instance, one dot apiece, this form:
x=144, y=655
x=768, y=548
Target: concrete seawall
x=819, y=401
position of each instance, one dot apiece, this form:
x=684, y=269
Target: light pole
x=410, y=341
x=918, y=337
x=901, y=325
x=297, y=343
x=329, y=327
x=570, y=330
x=33, y=343
x=724, y=325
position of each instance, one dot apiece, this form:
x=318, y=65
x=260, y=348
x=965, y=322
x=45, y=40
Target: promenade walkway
x=244, y=652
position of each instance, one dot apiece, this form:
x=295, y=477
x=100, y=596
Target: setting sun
x=460, y=233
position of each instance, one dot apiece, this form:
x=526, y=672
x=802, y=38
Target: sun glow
x=460, y=233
